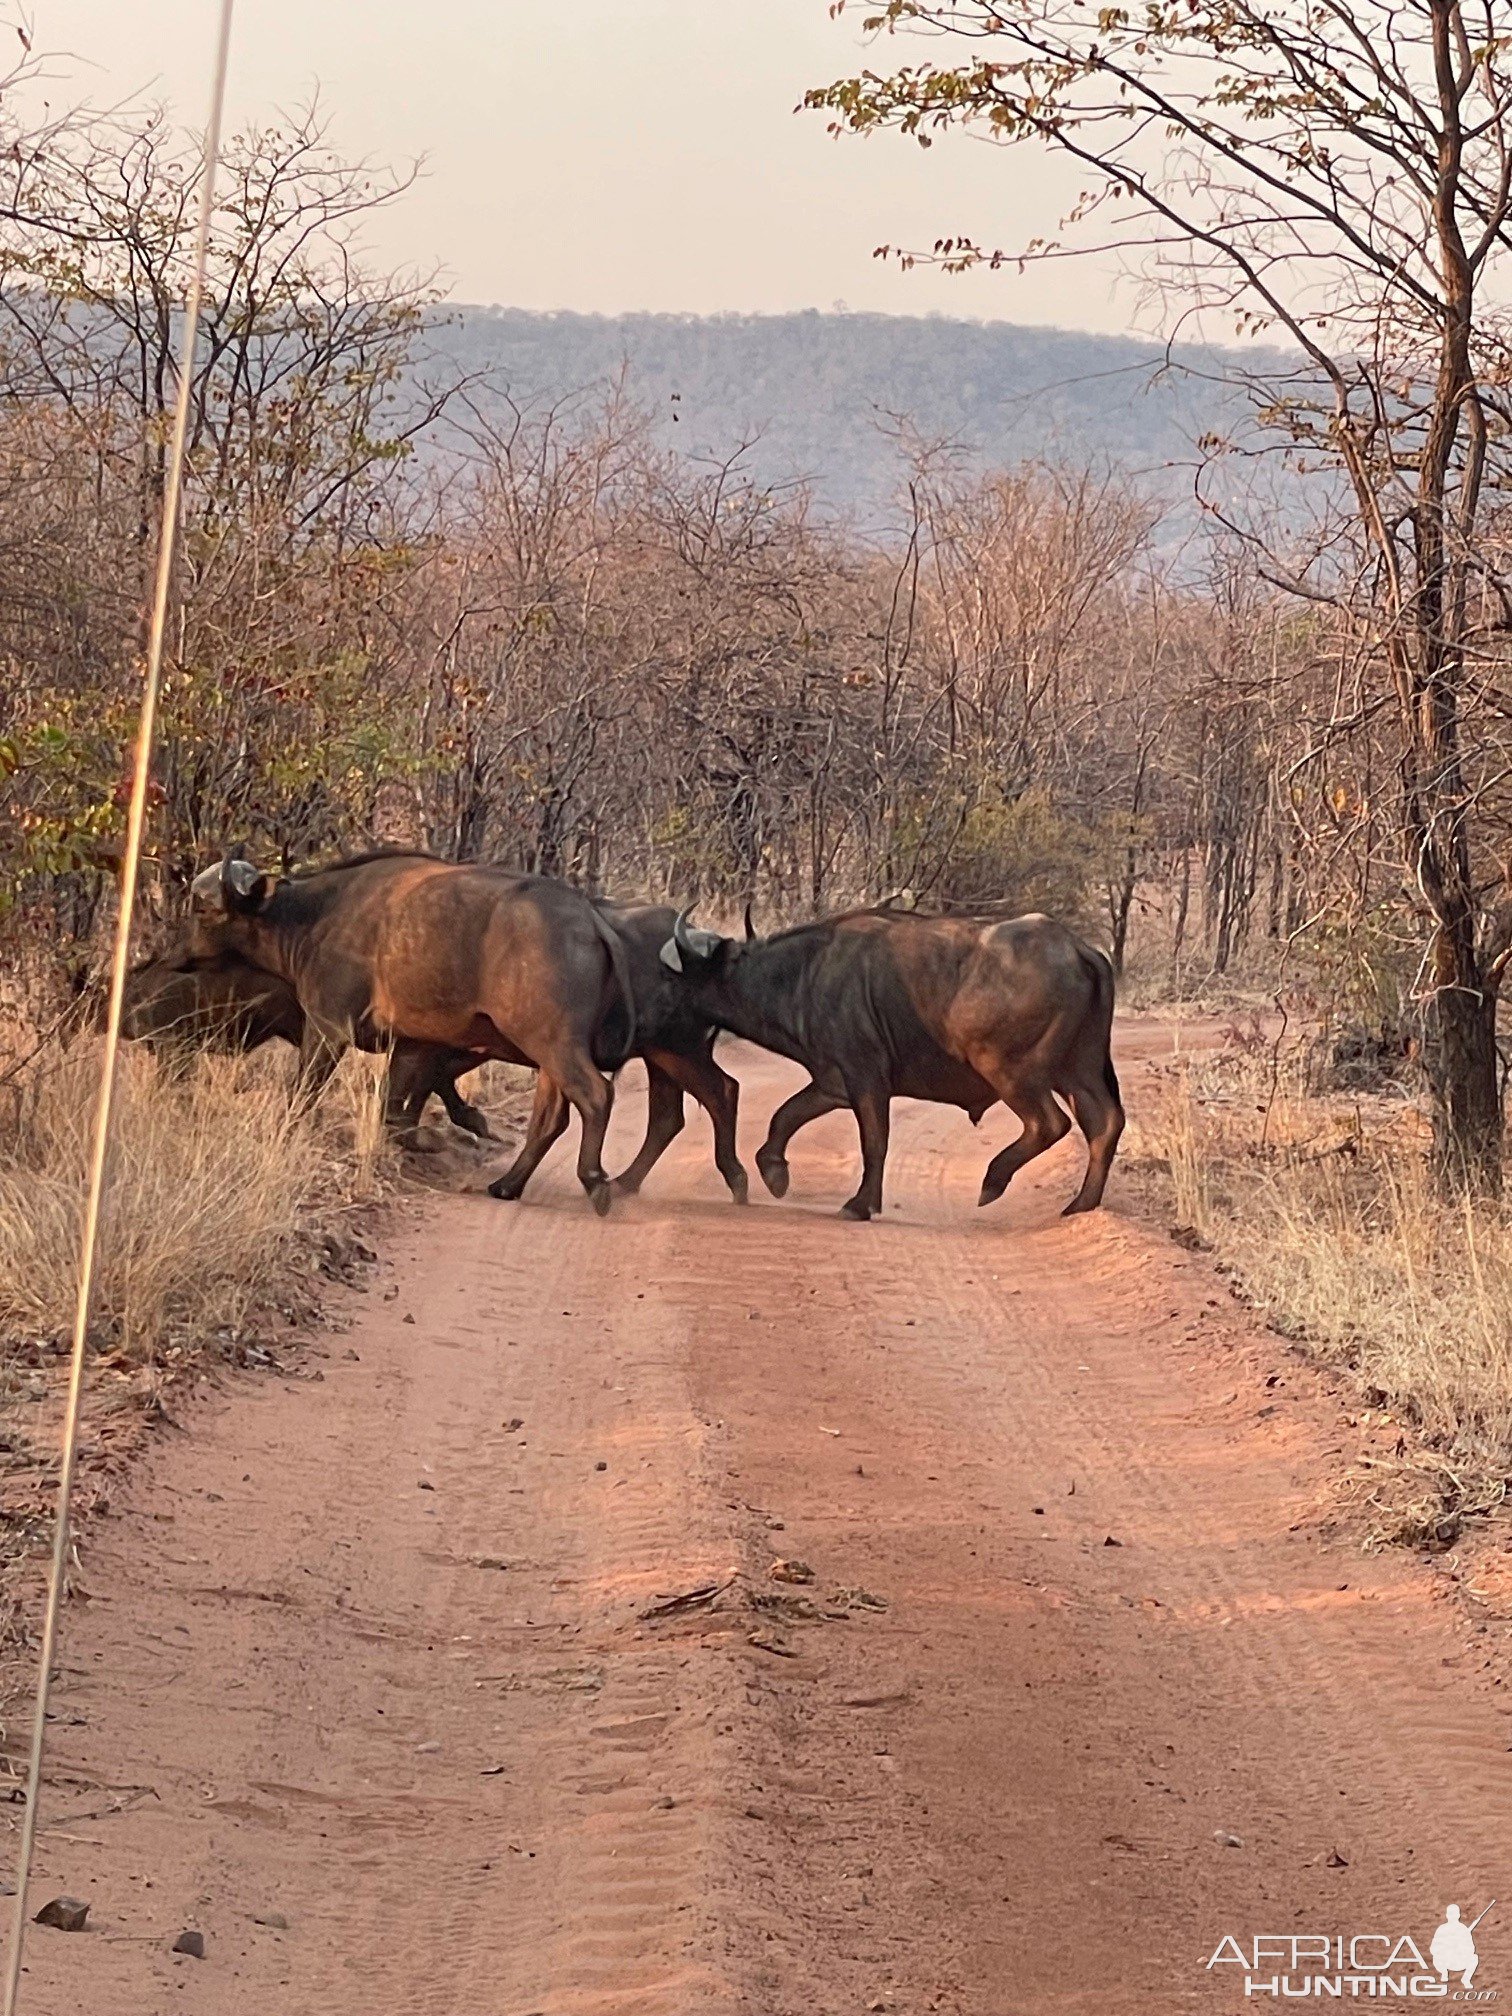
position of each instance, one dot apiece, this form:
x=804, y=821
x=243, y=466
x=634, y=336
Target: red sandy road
x=999, y=1797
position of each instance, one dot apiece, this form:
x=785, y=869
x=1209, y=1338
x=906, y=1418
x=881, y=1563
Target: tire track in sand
x=452, y=1777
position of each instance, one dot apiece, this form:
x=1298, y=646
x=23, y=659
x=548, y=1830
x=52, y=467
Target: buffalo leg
x=771, y=1156
x=670, y=1075
x=872, y=1104
x=548, y=1121
x=568, y=1081
x=1044, y=1125
x=592, y=1095
x=406, y=1087
x=1100, y=1116
x=719, y=1095
x=569, y=1075
x=664, y=1122
x=471, y=1119
x=416, y=1070
x=438, y=1072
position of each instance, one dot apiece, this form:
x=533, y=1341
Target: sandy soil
x=372, y=1688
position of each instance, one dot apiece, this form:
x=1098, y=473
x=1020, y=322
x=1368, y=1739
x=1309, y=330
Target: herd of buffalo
x=445, y=965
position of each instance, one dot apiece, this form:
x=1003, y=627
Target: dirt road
x=370, y=1692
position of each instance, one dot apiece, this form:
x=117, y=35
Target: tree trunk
x=1464, y=1081
x=1121, y=901
x=1183, y=901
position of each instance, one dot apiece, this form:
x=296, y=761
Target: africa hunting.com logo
x=1342, y=1966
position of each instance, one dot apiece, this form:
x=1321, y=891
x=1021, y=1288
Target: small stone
x=409, y=1319
x=1227, y=1840
x=64, y=1914
x=427, y=1749
x=664, y=1804
x=274, y=1920
x=601, y=1466
x=791, y=1571
x=192, y=1943
x=513, y=1424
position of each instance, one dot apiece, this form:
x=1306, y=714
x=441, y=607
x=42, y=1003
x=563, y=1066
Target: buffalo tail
x=619, y=960
x=1102, y=979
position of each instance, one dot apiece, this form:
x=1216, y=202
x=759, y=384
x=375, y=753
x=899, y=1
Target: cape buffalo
x=963, y=1011
x=178, y=1006
x=400, y=945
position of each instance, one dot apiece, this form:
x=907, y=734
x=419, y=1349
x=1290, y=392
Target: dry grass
x=225, y=1216
x=1321, y=1210
x=212, y=1184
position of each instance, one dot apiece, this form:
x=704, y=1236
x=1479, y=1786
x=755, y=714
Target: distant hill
x=817, y=389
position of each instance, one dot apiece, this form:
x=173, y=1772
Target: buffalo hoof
x=774, y=1173
x=623, y=1186
x=504, y=1187
x=740, y=1187
x=856, y=1207
x=991, y=1193
x=601, y=1196
x=1077, y=1206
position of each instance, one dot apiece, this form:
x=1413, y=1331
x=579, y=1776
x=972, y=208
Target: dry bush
x=1323, y=1211
x=212, y=1182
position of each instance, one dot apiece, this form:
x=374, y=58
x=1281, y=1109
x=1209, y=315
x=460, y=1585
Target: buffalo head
x=691, y=950
x=222, y=901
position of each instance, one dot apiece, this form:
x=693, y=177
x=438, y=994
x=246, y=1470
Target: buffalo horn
x=693, y=945
x=207, y=886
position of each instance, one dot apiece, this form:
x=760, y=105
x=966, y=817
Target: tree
x=309, y=398
x=1338, y=174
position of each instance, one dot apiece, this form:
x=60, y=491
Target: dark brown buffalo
x=179, y=1006
x=884, y=1004
x=401, y=946
x=675, y=1043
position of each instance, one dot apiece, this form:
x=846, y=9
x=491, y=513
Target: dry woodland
x=1257, y=764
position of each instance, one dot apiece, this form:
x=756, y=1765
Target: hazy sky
x=609, y=154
